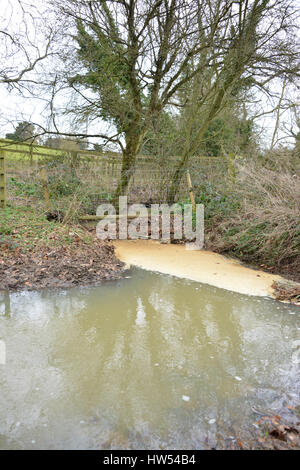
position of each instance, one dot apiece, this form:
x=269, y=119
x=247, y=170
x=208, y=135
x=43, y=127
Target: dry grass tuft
x=266, y=226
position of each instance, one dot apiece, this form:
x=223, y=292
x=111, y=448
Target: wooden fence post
x=231, y=170
x=31, y=154
x=2, y=181
x=44, y=181
x=74, y=156
x=191, y=192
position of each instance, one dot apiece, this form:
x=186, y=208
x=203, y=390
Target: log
x=101, y=217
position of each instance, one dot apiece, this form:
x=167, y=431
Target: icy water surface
x=150, y=361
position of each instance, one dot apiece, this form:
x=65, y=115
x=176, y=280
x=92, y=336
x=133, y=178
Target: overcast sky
x=15, y=108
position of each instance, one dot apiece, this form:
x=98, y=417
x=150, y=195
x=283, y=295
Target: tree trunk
x=192, y=143
x=176, y=179
x=128, y=163
x=133, y=145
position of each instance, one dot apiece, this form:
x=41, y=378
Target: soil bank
x=81, y=264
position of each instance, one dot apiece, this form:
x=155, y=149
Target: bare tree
x=256, y=47
x=25, y=40
x=132, y=58
x=278, y=109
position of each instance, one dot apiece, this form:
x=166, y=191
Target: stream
x=150, y=361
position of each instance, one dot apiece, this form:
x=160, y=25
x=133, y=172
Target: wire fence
x=80, y=181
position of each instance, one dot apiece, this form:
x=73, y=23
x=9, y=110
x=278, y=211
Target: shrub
x=260, y=220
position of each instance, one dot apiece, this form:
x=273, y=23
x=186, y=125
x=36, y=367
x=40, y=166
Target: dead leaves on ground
x=63, y=266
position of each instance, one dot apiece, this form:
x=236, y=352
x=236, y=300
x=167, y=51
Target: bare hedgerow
x=266, y=226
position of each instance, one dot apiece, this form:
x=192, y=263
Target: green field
x=25, y=151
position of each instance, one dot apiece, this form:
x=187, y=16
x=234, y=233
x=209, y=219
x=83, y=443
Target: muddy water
x=150, y=361
x=199, y=265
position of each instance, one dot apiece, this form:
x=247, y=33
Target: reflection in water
x=5, y=305
x=146, y=362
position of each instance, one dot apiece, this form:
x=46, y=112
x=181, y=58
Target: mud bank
x=80, y=264
x=202, y=266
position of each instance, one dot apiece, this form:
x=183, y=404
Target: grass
x=24, y=188
x=16, y=150
x=22, y=151
x=257, y=221
x=25, y=228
